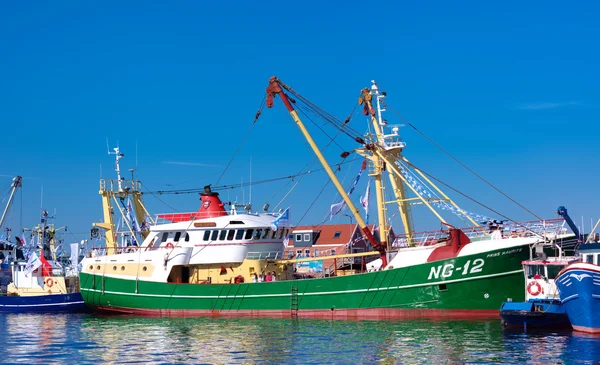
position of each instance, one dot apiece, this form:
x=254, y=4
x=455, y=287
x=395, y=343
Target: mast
x=274, y=89
x=114, y=191
x=16, y=183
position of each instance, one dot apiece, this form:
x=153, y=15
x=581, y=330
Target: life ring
x=170, y=245
x=534, y=288
x=49, y=282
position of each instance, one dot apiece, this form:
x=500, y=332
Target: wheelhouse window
x=177, y=237
x=249, y=233
x=230, y=234
x=257, y=234
x=239, y=234
x=266, y=233
x=222, y=235
x=553, y=270
x=589, y=259
x=164, y=237
x=214, y=235
x=187, y=237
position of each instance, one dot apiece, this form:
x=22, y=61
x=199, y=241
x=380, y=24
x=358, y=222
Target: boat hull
x=579, y=287
x=535, y=314
x=468, y=286
x=43, y=303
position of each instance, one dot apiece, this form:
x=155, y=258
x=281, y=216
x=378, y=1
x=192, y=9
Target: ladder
x=294, y=302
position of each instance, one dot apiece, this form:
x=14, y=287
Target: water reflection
x=123, y=339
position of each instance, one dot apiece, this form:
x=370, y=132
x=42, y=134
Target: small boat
x=542, y=307
x=37, y=284
x=579, y=287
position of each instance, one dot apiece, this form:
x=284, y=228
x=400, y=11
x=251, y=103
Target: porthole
x=122, y=268
x=91, y=267
x=144, y=268
x=115, y=268
x=98, y=267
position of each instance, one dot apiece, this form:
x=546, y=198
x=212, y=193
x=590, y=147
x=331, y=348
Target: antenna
x=107, y=147
x=136, y=155
x=250, y=199
x=118, y=156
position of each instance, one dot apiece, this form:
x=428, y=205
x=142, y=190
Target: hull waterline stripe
x=302, y=294
x=40, y=305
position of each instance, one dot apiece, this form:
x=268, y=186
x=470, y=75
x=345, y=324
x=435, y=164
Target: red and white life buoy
x=534, y=288
x=170, y=245
x=49, y=282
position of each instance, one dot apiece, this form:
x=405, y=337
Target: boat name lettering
x=512, y=251
x=447, y=270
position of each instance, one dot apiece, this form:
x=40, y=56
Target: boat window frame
x=177, y=237
x=239, y=234
x=230, y=234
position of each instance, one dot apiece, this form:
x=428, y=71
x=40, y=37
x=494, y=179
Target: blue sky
x=510, y=89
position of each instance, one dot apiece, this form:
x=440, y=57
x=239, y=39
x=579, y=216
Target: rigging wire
x=472, y=199
x=460, y=163
x=258, y=113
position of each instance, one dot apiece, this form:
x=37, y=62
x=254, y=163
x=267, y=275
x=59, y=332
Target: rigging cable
x=262, y=104
x=460, y=163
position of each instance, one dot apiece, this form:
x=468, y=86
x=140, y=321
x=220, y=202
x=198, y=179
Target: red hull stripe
x=347, y=314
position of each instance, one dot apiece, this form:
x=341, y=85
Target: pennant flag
x=364, y=201
x=131, y=217
x=46, y=267
x=286, y=240
x=337, y=207
x=283, y=218
x=74, y=255
x=32, y=263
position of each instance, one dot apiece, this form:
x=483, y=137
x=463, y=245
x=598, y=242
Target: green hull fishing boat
x=205, y=263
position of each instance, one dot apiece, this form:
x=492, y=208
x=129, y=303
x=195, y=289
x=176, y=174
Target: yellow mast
x=274, y=89
x=112, y=190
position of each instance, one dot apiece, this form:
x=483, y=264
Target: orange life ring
x=534, y=291
x=49, y=282
x=170, y=245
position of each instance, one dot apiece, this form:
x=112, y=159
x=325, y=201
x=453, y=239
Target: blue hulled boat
x=32, y=283
x=579, y=286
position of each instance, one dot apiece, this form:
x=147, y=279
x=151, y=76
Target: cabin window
x=534, y=270
x=249, y=234
x=206, y=235
x=280, y=233
x=177, y=237
x=257, y=234
x=164, y=237
x=337, y=234
x=214, y=235
x=307, y=237
x=298, y=238
x=239, y=234
x=266, y=234
x=230, y=234
x=187, y=237
x=272, y=236
x=222, y=235
x=553, y=270
x=589, y=259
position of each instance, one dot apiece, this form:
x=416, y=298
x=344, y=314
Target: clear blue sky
x=510, y=89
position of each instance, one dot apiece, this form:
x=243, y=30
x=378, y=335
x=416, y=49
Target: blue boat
x=32, y=283
x=542, y=307
x=579, y=286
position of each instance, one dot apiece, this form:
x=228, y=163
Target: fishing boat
x=542, y=307
x=38, y=283
x=579, y=287
x=203, y=263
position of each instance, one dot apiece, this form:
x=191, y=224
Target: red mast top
x=210, y=207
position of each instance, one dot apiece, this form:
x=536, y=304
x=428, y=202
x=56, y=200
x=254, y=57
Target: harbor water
x=95, y=339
